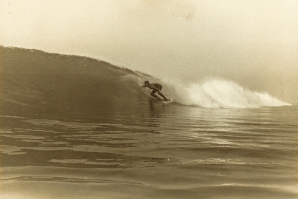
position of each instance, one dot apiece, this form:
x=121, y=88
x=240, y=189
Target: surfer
x=155, y=88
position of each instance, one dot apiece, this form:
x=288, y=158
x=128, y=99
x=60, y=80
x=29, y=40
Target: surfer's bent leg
x=166, y=99
x=153, y=94
x=159, y=92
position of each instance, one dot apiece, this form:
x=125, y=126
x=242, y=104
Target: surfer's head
x=146, y=83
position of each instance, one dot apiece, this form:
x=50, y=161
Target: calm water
x=159, y=151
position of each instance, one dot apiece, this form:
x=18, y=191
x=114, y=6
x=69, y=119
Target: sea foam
x=219, y=93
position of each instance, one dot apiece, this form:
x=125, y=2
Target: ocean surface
x=75, y=127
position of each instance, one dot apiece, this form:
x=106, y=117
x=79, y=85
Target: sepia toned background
x=75, y=121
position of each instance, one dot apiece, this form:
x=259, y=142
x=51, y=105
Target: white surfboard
x=168, y=101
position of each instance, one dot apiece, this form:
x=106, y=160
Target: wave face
x=35, y=82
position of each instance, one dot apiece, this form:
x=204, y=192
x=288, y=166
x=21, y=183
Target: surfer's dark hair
x=146, y=82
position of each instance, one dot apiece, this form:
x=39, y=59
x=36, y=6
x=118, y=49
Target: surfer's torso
x=155, y=86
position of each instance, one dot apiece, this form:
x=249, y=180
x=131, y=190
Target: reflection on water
x=160, y=151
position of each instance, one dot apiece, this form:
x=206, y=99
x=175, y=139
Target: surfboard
x=166, y=102
x=161, y=100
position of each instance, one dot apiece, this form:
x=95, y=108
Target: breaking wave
x=36, y=82
x=220, y=93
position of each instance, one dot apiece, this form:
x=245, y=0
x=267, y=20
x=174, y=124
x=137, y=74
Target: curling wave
x=36, y=82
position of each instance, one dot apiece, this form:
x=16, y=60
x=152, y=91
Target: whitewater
x=76, y=127
x=219, y=93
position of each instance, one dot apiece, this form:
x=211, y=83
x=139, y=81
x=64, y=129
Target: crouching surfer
x=155, y=88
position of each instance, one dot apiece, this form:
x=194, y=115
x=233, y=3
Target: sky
x=253, y=43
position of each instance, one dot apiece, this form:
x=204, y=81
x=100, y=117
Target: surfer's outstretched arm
x=166, y=99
